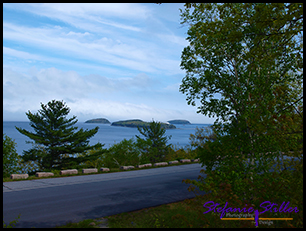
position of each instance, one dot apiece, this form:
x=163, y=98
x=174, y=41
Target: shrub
x=177, y=154
x=12, y=223
x=10, y=156
x=124, y=153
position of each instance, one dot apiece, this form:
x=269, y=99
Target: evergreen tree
x=156, y=143
x=56, y=143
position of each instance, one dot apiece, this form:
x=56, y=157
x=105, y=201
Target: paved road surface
x=56, y=201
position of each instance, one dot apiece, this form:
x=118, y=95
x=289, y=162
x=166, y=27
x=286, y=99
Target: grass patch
x=183, y=214
x=189, y=214
x=82, y=224
x=186, y=214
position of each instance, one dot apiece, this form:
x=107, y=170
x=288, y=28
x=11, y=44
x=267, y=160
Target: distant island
x=98, y=121
x=179, y=122
x=139, y=123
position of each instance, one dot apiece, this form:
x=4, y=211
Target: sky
x=116, y=61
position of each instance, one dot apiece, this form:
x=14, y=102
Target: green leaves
x=237, y=44
x=124, y=153
x=12, y=223
x=10, y=156
x=249, y=54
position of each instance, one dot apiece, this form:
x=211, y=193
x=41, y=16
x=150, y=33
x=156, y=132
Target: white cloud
x=46, y=84
x=123, y=10
x=173, y=87
x=20, y=54
x=71, y=13
x=104, y=50
x=112, y=99
x=25, y=56
x=122, y=60
x=71, y=33
x=112, y=110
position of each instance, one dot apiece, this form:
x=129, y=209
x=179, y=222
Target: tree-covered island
x=98, y=121
x=139, y=123
x=179, y=122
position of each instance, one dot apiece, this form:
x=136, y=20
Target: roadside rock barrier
x=69, y=171
x=195, y=160
x=140, y=166
x=160, y=164
x=104, y=169
x=89, y=170
x=44, y=174
x=19, y=176
x=185, y=160
x=144, y=165
x=173, y=162
x=126, y=167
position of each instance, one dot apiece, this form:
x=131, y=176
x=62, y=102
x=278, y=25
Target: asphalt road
x=56, y=201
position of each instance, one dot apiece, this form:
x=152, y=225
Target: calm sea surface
x=107, y=134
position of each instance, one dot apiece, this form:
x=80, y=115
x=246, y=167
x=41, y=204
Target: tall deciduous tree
x=240, y=63
x=56, y=143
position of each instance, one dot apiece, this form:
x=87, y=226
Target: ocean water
x=107, y=134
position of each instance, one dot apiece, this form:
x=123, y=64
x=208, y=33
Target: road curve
x=50, y=202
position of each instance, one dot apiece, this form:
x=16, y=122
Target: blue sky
x=116, y=61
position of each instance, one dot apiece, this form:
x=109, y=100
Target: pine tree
x=155, y=143
x=56, y=143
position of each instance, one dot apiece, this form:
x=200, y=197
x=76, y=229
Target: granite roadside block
x=62, y=181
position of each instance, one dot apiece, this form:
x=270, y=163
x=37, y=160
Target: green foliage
x=124, y=153
x=82, y=224
x=56, y=143
x=27, y=167
x=12, y=223
x=10, y=156
x=201, y=136
x=250, y=55
x=155, y=145
x=180, y=153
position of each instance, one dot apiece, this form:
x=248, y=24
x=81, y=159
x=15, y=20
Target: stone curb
x=160, y=164
x=140, y=166
x=126, y=167
x=185, y=160
x=102, y=169
x=173, y=162
x=69, y=171
x=89, y=170
x=143, y=165
x=19, y=176
x=44, y=174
